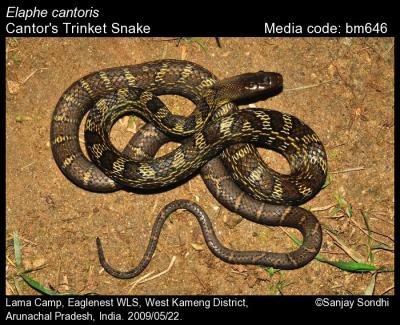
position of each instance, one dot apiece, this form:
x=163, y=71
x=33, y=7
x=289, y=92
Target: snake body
x=223, y=187
x=214, y=126
x=175, y=77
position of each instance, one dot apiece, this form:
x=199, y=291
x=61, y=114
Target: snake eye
x=252, y=86
x=268, y=80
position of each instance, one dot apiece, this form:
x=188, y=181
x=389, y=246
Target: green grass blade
x=343, y=265
x=349, y=210
x=202, y=46
x=354, y=267
x=365, y=218
x=297, y=241
x=340, y=201
x=38, y=286
x=370, y=244
x=17, y=251
x=23, y=273
x=271, y=271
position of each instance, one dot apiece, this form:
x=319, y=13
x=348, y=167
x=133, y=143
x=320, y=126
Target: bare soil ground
x=343, y=88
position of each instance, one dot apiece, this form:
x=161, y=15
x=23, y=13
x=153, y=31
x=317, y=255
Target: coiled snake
x=237, y=177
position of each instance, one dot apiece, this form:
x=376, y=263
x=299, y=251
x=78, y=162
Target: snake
x=216, y=139
x=223, y=187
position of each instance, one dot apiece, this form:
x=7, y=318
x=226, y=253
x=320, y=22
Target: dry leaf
x=369, y=291
x=197, y=247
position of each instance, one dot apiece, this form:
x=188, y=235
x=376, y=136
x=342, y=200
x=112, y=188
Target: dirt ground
x=342, y=88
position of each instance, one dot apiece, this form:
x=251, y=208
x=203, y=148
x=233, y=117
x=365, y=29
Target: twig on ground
x=10, y=261
x=387, y=290
x=332, y=253
x=349, y=251
x=348, y=170
x=372, y=231
x=26, y=166
x=154, y=206
x=381, y=219
x=148, y=278
x=9, y=286
x=31, y=75
x=140, y=279
x=311, y=86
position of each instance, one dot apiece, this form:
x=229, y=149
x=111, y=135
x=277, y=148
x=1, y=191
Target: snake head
x=261, y=81
x=247, y=87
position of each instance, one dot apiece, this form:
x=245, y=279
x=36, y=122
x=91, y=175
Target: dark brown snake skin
x=229, y=194
x=155, y=77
